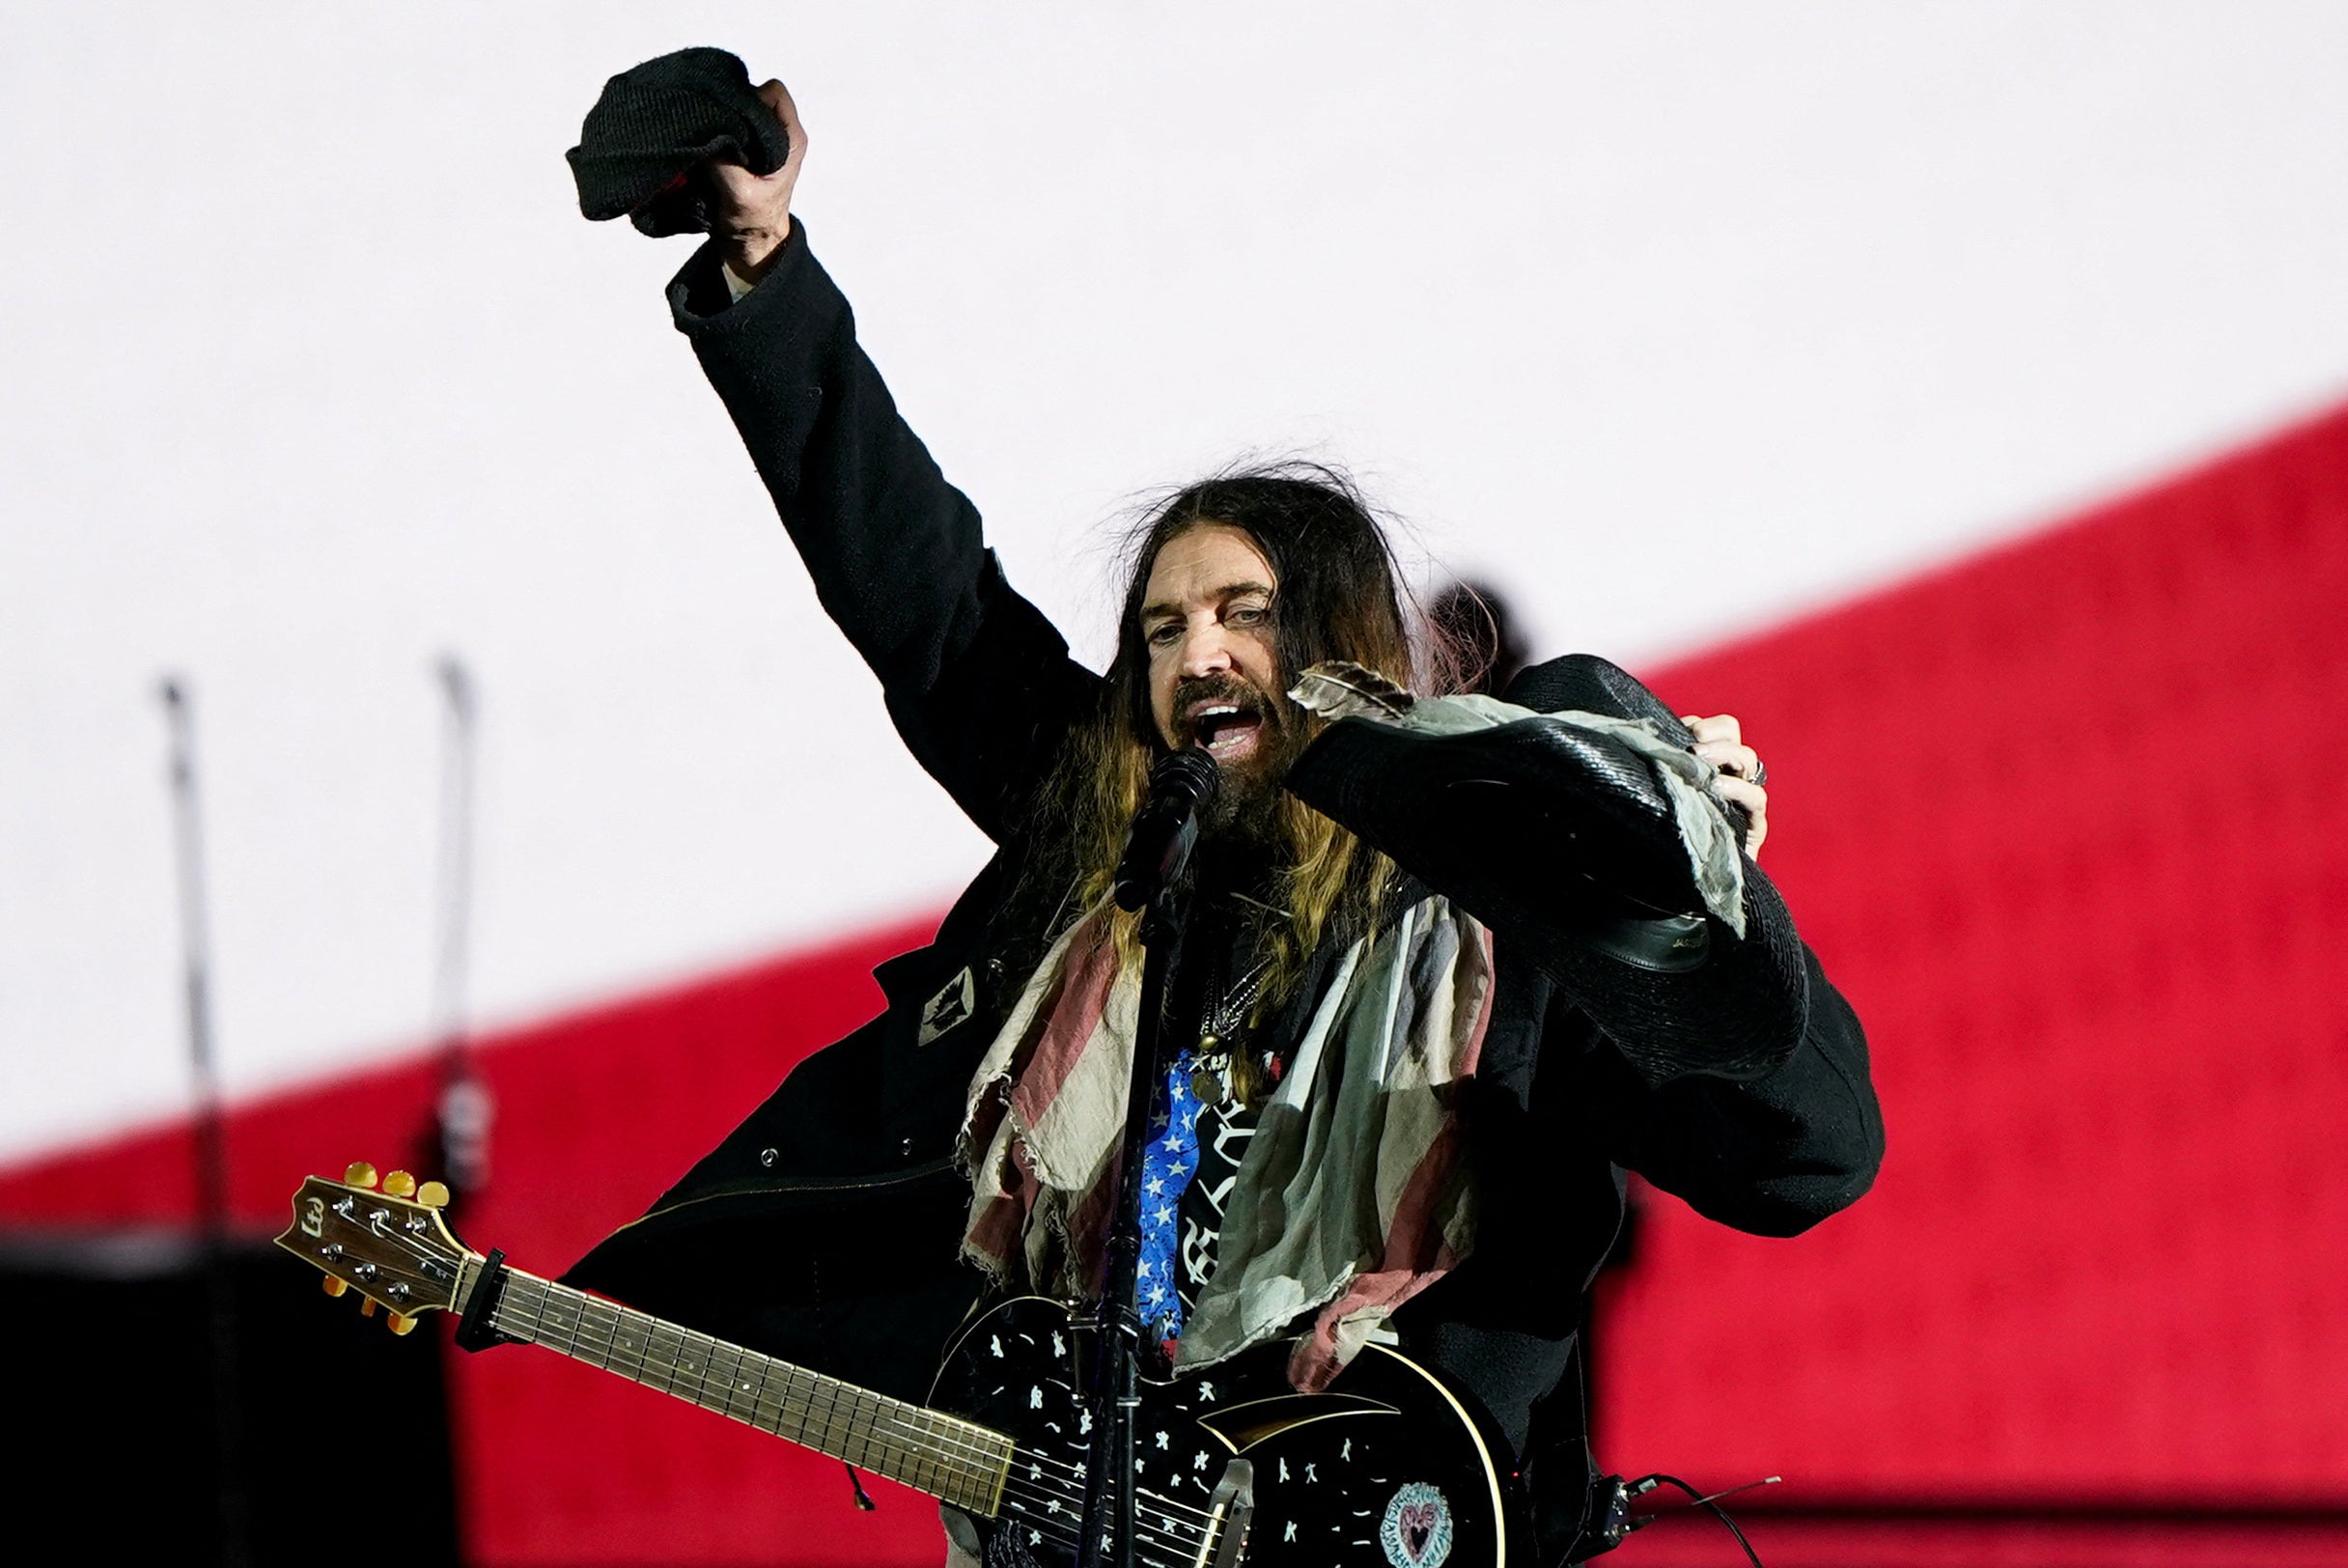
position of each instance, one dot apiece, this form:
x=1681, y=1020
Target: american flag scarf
x=1367, y=1109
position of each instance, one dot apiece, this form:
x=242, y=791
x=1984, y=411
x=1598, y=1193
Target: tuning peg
x=432, y=1194
x=367, y=1307
x=334, y=1286
x=360, y=1174
x=398, y=1325
x=399, y=1184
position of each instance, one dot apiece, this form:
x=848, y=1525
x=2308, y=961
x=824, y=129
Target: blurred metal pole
x=211, y=1129
x=465, y=1109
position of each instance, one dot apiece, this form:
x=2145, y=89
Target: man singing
x=1450, y=970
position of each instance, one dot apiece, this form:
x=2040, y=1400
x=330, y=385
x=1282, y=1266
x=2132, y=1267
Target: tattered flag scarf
x=1351, y=1197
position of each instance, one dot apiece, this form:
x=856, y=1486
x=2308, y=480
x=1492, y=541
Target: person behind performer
x=1475, y=619
x=1516, y=1111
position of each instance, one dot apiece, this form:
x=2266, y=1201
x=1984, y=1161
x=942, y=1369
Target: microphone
x=1166, y=825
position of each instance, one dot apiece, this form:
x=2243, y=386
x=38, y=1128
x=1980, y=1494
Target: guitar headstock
x=387, y=1243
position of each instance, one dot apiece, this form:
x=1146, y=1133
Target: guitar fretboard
x=927, y=1450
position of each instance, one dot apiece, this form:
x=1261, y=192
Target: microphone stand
x=214, y=1216
x=459, y=1142
x=1107, y=1536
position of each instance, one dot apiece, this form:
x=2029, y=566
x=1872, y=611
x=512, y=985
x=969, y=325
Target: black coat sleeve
x=1772, y=1155
x=980, y=684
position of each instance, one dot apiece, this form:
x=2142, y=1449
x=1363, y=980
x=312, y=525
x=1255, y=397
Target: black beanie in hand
x=655, y=124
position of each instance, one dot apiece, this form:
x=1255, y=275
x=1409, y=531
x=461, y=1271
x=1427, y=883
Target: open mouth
x=1228, y=729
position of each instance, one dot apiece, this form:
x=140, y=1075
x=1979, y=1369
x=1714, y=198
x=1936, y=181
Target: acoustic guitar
x=1388, y=1468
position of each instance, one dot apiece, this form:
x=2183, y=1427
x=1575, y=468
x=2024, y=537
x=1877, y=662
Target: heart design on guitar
x=1418, y=1524
x=1417, y=1528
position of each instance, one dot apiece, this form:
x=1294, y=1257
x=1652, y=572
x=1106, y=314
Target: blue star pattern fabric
x=1167, y=1165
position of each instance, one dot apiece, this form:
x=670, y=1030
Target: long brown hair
x=1337, y=593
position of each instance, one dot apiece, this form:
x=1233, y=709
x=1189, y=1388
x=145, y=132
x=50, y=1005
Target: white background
x=1676, y=319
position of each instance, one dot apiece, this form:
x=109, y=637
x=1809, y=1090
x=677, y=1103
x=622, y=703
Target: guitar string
x=590, y=1340
x=1039, y=1504
x=1017, y=1488
x=814, y=1408
x=960, y=1457
x=924, y=1447
x=908, y=1417
x=948, y=1457
x=1038, y=1520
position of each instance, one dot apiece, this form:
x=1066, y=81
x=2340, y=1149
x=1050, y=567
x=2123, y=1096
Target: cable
x=1708, y=1502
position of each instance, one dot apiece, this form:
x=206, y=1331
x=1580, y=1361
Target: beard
x=1246, y=806
x=1246, y=810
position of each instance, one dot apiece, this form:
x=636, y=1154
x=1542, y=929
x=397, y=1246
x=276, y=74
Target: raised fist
x=750, y=214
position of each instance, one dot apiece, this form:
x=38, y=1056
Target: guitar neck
x=962, y=1463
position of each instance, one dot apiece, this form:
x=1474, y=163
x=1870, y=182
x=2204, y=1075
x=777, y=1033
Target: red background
x=2060, y=822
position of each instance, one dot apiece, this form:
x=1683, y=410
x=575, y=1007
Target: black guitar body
x=1388, y=1468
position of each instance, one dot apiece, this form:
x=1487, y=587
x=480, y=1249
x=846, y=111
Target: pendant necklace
x=1219, y=1028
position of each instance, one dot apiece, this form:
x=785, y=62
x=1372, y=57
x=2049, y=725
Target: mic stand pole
x=1108, y=1530
x=460, y=1140
x=213, y=1199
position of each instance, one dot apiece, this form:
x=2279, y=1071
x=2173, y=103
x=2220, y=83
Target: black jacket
x=825, y=1228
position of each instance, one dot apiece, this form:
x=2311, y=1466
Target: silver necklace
x=1220, y=1025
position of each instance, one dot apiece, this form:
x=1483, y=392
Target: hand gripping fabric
x=1561, y=840
x=656, y=123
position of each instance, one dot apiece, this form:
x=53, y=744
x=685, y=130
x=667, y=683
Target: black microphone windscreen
x=1189, y=773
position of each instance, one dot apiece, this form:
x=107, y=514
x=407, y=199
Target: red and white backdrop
x=1954, y=395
